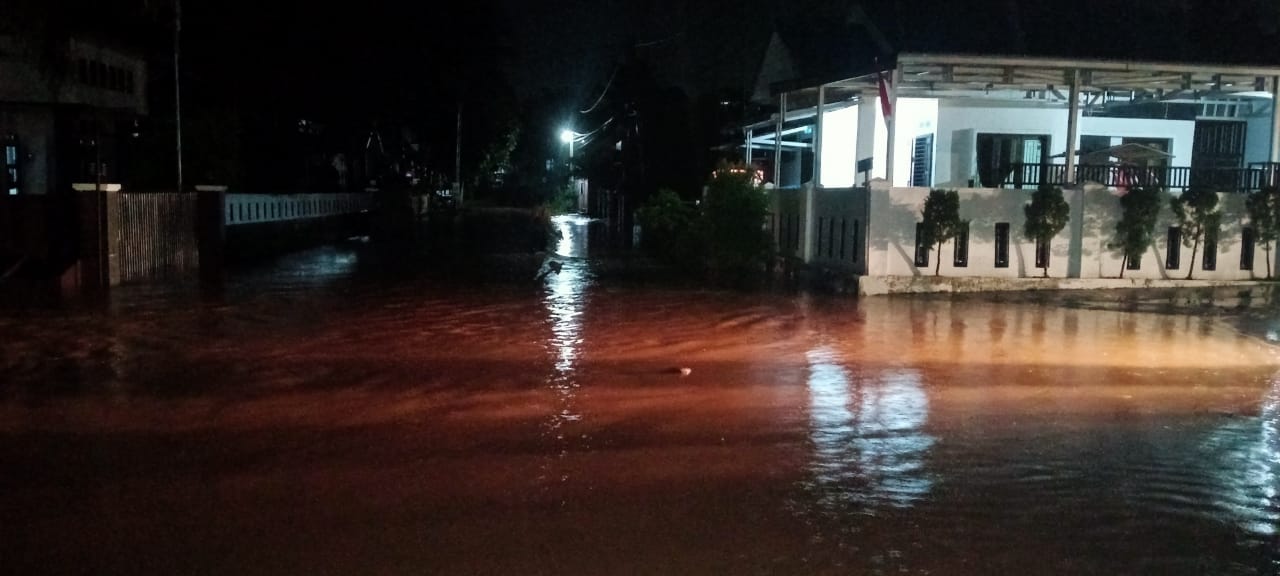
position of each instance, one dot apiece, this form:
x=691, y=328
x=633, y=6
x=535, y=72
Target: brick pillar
x=211, y=232
x=96, y=210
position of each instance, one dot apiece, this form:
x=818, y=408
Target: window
x=1042, y=254
x=1091, y=144
x=1011, y=159
x=843, y=235
x=1002, y=245
x=922, y=161
x=12, y=180
x=818, y=251
x=922, y=249
x=1210, y=259
x=831, y=237
x=1247, y=240
x=962, y=247
x=854, y=242
x=1173, y=249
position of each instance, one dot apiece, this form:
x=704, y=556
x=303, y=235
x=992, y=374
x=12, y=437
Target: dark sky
x=711, y=45
x=394, y=54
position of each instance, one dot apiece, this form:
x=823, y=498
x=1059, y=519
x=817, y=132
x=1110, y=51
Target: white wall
x=839, y=147
x=1080, y=249
x=1182, y=133
x=913, y=117
x=955, y=163
x=872, y=135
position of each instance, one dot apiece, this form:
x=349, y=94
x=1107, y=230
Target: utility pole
x=177, y=83
x=457, y=153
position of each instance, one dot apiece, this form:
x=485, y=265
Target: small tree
x=1264, y=216
x=1196, y=210
x=734, y=209
x=1140, y=208
x=941, y=221
x=1047, y=214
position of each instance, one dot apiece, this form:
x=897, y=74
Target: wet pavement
x=311, y=420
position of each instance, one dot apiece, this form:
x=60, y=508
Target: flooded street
x=313, y=420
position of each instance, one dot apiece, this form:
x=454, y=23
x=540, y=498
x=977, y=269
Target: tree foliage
x=725, y=239
x=1264, y=216
x=1196, y=210
x=1140, y=208
x=1046, y=215
x=670, y=230
x=733, y=215
x=940, y=221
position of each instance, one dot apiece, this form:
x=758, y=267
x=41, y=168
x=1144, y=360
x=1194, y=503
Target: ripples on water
x=544, y=427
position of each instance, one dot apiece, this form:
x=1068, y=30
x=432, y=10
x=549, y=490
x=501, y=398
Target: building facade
x=68, y=111
x=851, y=161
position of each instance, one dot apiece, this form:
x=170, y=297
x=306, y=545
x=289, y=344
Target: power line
x=607, y=85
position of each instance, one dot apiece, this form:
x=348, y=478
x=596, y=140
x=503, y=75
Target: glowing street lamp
x=569, y=137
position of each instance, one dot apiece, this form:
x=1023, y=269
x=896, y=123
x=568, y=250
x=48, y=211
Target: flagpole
x=177, y=84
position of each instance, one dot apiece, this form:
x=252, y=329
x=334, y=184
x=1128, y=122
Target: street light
x=569, y=137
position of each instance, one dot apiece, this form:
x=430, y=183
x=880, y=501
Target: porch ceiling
x=930, y=74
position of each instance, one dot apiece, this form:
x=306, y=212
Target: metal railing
x=1257, y=175
x=259, y=208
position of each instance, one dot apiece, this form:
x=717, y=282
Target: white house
x=849, y=183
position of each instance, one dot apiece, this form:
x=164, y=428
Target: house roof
x=932, y=73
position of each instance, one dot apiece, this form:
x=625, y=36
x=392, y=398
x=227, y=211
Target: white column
x=1073, y=128
x=817, y=138
x=747, y=154
x=777, y=140
x=1275, y=119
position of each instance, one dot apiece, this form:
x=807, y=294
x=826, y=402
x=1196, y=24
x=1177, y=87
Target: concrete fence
x=872, y=232
x=130, y=237
x=260, y=208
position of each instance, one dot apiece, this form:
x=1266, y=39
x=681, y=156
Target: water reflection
x=565, y=303
x=868, y=437
x=1248, y=456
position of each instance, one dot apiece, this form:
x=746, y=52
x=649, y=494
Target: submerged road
x=314, y=421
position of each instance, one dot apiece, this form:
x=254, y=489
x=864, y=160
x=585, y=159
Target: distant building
x=67, y=112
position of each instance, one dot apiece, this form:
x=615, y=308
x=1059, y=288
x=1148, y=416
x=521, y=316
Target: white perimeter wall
x=1078, y=251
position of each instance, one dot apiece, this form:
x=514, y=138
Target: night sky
x=533, y=63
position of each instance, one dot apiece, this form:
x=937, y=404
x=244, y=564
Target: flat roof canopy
x=929, y=73
x=950, y=75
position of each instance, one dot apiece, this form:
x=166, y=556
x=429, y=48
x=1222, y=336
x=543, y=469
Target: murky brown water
x=313, y=422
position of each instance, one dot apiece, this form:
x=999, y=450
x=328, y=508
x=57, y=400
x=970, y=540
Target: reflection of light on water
x=565, y=246
x=564, y=309
x=1249, y=466
x=868, y=439
x=573, y=235
x=565, y=303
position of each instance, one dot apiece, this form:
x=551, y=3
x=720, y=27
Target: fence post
x=211, y=232
x=98, y=252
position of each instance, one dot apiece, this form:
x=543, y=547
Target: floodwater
x=312, y=421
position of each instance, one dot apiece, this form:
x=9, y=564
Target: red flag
x=886, y=105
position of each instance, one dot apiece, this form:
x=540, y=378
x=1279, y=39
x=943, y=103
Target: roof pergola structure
x=1072, y=84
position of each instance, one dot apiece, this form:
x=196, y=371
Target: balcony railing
x=1257, y=175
